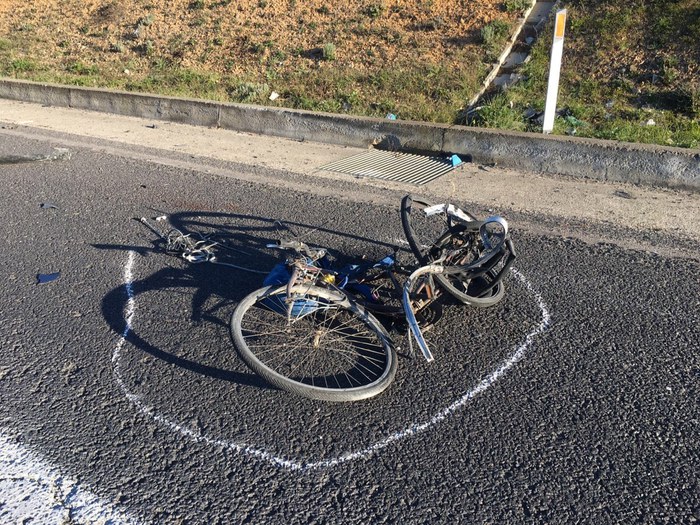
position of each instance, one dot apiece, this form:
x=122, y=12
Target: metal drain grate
x=388, y=165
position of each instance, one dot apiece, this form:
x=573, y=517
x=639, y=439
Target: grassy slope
x=626, y=62
x=631, y=72
x=371, y=57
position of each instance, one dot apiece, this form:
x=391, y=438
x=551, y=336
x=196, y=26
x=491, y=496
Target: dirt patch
x=239, y=36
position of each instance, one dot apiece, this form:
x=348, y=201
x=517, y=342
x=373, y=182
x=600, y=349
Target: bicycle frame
x=310, y=266
x=308, y=270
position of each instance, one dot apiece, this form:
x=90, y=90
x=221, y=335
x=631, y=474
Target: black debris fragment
x=623, y=194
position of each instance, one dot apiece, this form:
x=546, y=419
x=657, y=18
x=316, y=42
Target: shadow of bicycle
x=184, y=308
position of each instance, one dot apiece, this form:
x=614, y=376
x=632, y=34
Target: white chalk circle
x=252, y=450
x=34, y=491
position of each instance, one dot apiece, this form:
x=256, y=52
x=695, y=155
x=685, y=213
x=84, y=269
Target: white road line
x=412, y=430
x=32, y=491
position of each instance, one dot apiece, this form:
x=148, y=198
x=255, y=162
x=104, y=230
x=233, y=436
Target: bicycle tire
x=465, y=291
x=359, y=362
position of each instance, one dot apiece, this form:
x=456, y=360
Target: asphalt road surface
x=574, y=400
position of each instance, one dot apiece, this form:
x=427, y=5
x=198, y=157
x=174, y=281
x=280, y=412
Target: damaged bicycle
x=325, y=333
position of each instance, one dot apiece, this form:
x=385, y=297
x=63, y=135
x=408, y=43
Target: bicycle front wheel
x=314, y=342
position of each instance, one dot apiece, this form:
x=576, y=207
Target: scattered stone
x=623, y=194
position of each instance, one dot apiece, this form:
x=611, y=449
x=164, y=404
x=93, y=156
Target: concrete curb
x=570, y=156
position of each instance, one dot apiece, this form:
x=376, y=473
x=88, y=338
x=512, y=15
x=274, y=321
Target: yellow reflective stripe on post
x=560, y=24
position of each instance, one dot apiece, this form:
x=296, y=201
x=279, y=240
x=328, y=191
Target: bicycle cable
x=193, y=251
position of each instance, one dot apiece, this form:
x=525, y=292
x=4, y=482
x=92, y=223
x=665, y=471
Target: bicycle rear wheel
x=431, y=234
x=316, y=343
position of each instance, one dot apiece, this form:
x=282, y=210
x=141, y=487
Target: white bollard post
x=550, y=107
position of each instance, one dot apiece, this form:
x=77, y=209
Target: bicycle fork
x=408, y=308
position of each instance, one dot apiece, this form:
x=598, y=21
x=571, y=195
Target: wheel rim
x=314, y=341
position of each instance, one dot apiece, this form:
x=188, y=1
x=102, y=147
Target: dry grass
x=419, y=59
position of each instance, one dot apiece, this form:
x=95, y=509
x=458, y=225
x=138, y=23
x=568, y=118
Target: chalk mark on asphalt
x=33, y=491
x=412, y=430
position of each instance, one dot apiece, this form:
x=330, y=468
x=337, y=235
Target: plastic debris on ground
x=43, y=278
x=573, y=121
x=533, y=115
x=48, y=206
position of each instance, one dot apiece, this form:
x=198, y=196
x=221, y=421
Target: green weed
x=146, y=48
x=146, y=20
x=494, y=34
x=249, y=92
x=82, y=69
x=328, y=52
x=374, y=11
x=516, y=6
x=178, y=45
x=22, y=65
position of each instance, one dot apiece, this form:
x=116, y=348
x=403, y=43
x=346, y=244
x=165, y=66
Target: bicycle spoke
x=352, y=351
x=357, y=362
x=314, y=340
